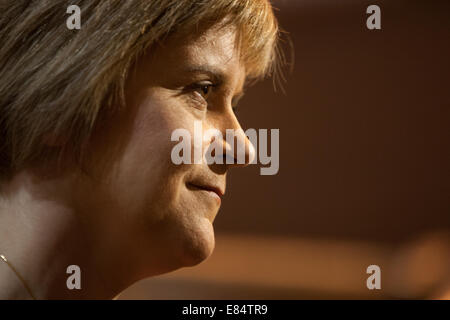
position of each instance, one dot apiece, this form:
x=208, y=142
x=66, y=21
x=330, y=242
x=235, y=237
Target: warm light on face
x=173, y=205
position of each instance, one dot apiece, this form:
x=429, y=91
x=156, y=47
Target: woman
x=88, y=188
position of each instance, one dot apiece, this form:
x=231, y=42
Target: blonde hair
x=57, y=81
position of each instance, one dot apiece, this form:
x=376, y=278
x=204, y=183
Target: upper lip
x=210, y=187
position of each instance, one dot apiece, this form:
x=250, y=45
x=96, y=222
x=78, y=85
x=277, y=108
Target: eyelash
x=196, y=91
x=200, y=86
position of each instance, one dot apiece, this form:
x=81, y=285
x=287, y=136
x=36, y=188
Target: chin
x=198, y=245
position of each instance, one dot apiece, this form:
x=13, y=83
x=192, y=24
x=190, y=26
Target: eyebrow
x=215, y=73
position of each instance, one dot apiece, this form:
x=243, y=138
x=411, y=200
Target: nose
x=237, y=149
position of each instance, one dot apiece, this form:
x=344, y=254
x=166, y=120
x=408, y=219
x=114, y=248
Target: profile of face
x=155, y=211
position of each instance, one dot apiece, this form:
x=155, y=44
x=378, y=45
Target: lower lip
x=214, y=195
x=210, y=193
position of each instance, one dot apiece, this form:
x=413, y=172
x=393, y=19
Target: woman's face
x=158, y=210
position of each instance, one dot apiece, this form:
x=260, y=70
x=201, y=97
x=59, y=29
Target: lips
x=208, y=187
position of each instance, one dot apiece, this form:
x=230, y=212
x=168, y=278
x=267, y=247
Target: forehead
x=213, y=48
x=216, y=45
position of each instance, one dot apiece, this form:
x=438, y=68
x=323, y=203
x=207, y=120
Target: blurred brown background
x=364, y=165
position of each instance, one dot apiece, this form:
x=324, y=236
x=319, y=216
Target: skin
x=127, y=212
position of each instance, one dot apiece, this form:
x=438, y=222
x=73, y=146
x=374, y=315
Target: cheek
x=168, y=205
x=150, y=190
x=145, y=174
x=145, y=169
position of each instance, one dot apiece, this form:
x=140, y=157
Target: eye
x=204, y=89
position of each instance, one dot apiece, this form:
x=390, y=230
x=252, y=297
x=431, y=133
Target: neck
x=41, y=235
